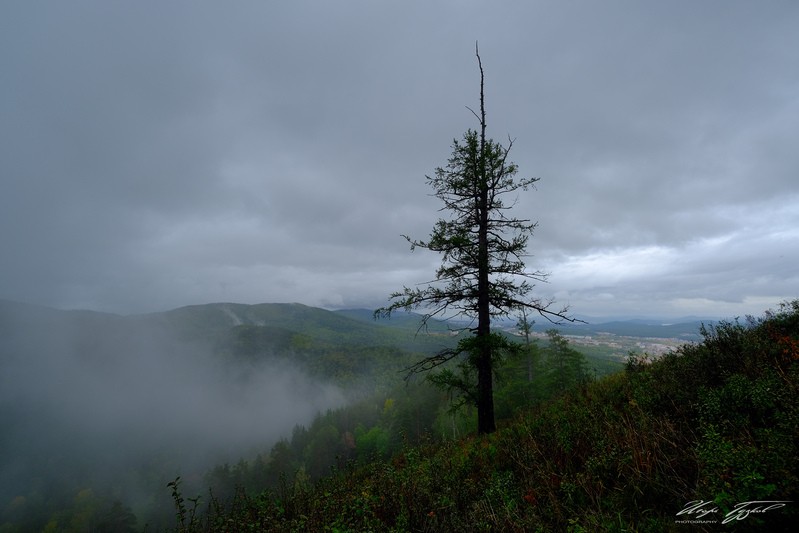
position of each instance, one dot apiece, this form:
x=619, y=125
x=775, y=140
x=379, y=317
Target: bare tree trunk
x=485, y=371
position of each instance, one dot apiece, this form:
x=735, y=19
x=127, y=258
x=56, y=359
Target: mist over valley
x=100, y=411
x=104, y=401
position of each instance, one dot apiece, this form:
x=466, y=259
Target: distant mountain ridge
x=215, y=322
x=208, y=321
x=214, y=318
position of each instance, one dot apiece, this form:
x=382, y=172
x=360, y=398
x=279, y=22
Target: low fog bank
x=92, y=398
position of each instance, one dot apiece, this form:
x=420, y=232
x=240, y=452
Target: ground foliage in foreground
x=716, y=421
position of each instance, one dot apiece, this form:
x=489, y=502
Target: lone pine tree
x=482, y=273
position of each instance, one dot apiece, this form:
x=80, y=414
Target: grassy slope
x=717, y=421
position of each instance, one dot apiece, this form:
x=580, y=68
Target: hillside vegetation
x=97, y=409
x=684, y=442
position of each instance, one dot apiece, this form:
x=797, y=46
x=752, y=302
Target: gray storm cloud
x=156, y=156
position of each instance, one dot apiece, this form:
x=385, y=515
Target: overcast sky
x=159, y=154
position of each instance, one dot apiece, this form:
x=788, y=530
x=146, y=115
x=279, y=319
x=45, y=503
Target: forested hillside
x=705, y=438
x=100, y=411
x=284, y=417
